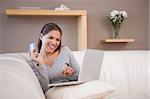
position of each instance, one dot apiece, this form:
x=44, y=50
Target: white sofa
x=17, y=80
x=128, y=71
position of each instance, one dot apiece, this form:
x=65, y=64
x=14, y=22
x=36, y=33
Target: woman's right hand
x=35, y=56
x=40, y=59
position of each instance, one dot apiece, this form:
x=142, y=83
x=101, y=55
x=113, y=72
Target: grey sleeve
x=41, y=74
x=75, y=65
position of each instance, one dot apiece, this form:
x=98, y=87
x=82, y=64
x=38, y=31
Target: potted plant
x=117, y=17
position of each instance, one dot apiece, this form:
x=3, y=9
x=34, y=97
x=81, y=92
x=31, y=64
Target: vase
x=116, y=28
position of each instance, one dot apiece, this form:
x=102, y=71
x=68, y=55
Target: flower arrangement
x=117, y=17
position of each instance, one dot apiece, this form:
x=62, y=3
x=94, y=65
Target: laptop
x=90, y=69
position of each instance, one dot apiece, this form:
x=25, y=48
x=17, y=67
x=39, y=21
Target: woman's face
x=51, y=41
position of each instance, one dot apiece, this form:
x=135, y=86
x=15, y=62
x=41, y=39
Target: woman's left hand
x=68, y=70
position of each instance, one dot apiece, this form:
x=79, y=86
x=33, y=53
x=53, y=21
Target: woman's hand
x=68, y=70
x=40, y=59
x=36, y=57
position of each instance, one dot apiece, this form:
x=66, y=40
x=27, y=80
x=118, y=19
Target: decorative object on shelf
x=117, y=17
x=62, y=7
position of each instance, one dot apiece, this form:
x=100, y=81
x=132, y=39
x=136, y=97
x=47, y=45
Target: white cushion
x=90, y=90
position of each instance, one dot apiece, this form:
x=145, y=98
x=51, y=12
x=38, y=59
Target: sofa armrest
x=17, y=80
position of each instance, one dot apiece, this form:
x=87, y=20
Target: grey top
x=46, y=74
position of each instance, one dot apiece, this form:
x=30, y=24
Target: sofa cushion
x=90, y=90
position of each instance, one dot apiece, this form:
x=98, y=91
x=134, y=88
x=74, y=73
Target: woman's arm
x=41, y=74
x=73, y=63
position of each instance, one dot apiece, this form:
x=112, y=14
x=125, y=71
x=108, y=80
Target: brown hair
x=45, y=30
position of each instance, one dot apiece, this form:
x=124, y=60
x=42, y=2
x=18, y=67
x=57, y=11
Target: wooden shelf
x=118, y=40
x=44, y=12
x=80, y=14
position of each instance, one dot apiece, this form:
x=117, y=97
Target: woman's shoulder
x=65, y=48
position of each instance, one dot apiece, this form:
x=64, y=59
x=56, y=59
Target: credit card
x=32, y=46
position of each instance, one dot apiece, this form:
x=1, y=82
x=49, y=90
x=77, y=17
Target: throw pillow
x=89, y=90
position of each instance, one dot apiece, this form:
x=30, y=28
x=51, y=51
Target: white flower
x=124, y=14
x=114, y=13
x=117, y=17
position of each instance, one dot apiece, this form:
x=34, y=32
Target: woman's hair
x=45, y=30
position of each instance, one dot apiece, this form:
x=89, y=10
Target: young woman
x=52, y=62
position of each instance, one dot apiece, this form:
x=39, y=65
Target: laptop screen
x=91, y=65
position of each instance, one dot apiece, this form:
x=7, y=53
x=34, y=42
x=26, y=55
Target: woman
x=52, y=62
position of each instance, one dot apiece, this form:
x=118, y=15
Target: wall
x=1, y=27
x=149, y=23
x=23, y=30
